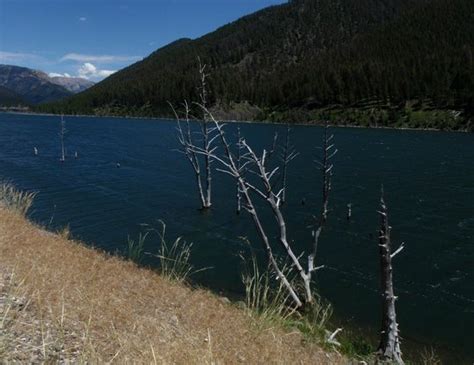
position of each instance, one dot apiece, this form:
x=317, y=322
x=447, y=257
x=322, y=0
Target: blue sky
x=92, y=39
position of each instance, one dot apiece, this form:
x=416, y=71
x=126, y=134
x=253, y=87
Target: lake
x=428, y=178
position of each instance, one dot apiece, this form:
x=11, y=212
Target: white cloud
x=82, y=19
x=54, y=74
x=89, y=71
x=97, y=58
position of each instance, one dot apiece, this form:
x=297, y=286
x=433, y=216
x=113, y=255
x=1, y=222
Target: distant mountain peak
x=73, y=84
x=33, y=86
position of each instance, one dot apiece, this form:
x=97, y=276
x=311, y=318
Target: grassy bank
x=62, y=301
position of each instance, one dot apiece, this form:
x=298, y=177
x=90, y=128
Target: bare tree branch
x=332, y=337
x=399, y=249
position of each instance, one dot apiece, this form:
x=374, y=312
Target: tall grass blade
x=175, y=257
x=14, y=199
x=136, y=248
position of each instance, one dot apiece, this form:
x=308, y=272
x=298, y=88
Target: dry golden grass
x=64, y=302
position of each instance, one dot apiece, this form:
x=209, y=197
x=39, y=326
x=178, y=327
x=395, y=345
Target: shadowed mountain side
x=304, y=55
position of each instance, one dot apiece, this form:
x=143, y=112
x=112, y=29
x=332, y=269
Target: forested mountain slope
x=306, y=55
x=10, y=98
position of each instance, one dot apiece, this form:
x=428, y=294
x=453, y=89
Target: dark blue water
x=428, y=178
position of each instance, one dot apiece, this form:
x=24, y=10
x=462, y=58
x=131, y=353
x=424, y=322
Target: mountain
x=33, y=86
x=10, y=98
x=393, y=62
x=72, y=84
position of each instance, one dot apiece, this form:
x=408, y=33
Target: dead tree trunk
x=389, y=347
x=274, y=201
x=326, y=168
x=62, y=133
x=239, y=156
x=188, y=144
x=205, y=133
x=288, y=154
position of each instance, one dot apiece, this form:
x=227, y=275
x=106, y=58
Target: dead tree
x=187, y=142
x=230, y=167
x=239, y=157
x=62, y=133
x=257, y=165
x=326, y=168
x=389, y=347
x=274, y=200
x=287, y=155
x=207, y=139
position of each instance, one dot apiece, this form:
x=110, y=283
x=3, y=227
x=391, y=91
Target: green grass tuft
x=262, y=296
x=14, y=199
x=175, y=257
x=135, y=249
x=268, y=298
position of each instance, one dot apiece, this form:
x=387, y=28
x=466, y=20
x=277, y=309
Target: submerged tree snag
x=389, y=347
x=185, y=140
x=263, y=185
x=205, y=130
x=287, y=155
x=326, y=168
x=239, y=158
x=62, y=133
x=248, y=161
x=188, y=143
x=258, y=165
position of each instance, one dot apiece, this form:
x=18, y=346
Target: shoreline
x=299, y=124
